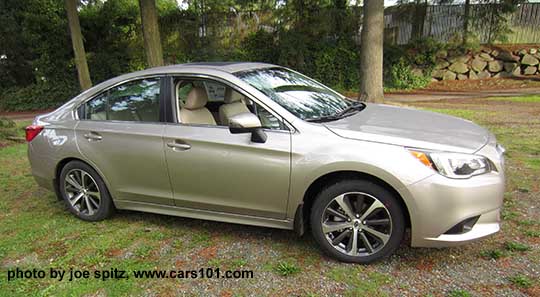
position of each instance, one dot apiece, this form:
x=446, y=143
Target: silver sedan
x=259, y=144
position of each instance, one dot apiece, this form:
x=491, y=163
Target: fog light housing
x=463, y=226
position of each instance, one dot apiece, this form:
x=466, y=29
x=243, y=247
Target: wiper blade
x=339, y=115
x=323, y=119
x=355, y=107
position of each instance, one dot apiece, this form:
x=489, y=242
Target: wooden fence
x=444, y=22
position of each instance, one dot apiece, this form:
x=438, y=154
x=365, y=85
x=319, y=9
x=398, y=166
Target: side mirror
x=247, y=123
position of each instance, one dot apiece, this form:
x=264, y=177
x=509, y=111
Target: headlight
x=453, y=165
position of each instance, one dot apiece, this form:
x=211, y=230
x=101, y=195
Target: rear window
x=135, y=101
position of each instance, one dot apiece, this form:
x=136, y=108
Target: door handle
x=180, y=146
x=93, y=136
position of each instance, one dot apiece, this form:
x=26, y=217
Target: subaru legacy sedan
x=260, y=144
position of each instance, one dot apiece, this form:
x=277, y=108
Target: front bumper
x=442, y=203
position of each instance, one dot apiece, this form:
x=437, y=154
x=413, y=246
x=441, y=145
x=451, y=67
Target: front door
x=212, y=169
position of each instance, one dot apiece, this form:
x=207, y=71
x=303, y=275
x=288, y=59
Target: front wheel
x=357, y=221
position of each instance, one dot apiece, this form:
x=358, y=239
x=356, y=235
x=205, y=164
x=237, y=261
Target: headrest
x=232, y=96
x=196, y=98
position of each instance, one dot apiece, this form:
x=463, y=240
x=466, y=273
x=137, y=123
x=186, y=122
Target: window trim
x=166, y=109
x=162, y=100
x=176, y=108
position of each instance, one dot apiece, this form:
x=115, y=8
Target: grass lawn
x=37, y=232
x=523, y=99
x=10, y=130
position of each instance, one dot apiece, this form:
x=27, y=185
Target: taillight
x=32, y=131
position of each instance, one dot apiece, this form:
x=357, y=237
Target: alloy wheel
x=356, y=224
x=82, y=192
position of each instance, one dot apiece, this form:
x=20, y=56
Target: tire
x=382, y=228
x=94, y=203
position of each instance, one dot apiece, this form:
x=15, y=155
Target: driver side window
x=207, y=102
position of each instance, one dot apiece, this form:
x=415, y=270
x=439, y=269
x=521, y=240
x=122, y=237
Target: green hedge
x=37, y=96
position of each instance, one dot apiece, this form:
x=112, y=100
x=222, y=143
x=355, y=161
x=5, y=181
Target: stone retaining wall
x=487, y=63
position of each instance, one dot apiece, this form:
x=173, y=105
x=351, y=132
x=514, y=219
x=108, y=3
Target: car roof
x=203, y=67
x=230, y=67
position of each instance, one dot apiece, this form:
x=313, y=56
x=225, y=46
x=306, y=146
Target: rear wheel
x=357, y=221
x=84, y=192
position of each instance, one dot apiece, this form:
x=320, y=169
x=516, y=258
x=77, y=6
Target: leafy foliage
x=516, y=246
x=38, y=96
x=316, y=37
x=113, y=38
x=421, y=54
x=493, y=14
x=7, y=128
x=402, y=77
x=459, y=293
x=258, y=46
x=492, y=254
x=286, y=268
x=11, y=132
x=521, y=281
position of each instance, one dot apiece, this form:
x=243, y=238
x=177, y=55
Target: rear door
x=120, y=132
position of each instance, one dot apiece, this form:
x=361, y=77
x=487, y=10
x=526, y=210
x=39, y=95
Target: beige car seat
x=194, y=110
x=234, y=105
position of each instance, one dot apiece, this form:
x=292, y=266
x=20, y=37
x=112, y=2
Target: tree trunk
x=419, y=17
x=466, y=16
x=152, y=41
x=78, y=45
x=371, y=51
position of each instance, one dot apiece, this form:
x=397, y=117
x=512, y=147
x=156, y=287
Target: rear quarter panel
x=55, y=143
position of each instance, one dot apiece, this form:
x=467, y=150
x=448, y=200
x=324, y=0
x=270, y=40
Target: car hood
x=412, y=128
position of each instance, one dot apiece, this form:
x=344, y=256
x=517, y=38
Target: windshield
x=300, y=95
